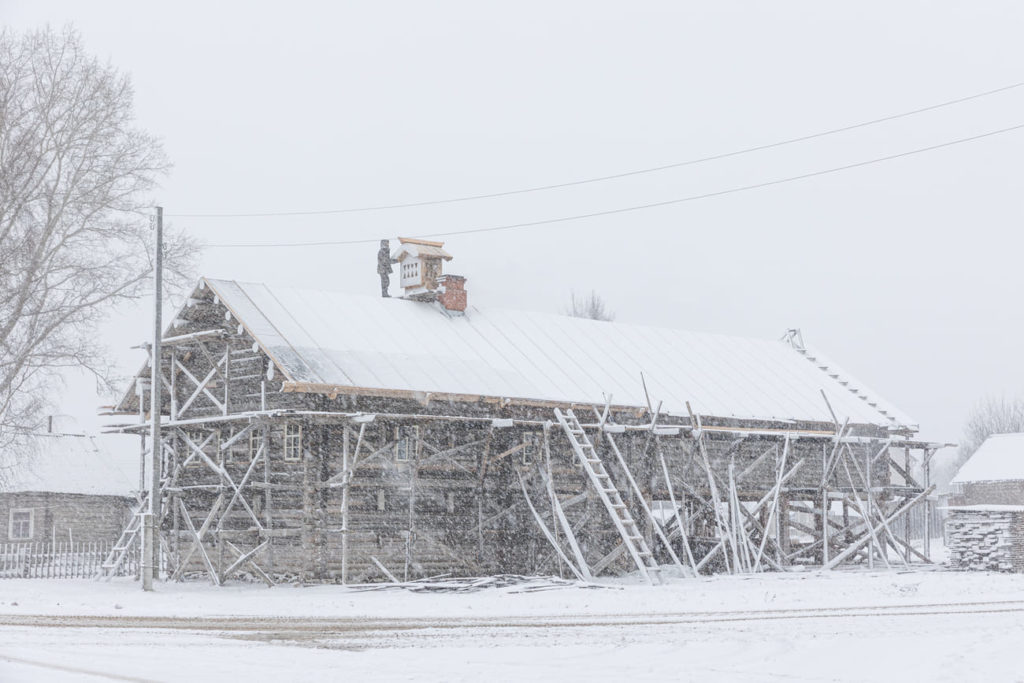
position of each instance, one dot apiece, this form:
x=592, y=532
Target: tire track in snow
x=282, y=625
x=72, y=669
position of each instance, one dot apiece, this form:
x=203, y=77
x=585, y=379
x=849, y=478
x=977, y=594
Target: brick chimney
x=453, y=298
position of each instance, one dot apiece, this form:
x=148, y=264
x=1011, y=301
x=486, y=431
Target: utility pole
x=151, y=520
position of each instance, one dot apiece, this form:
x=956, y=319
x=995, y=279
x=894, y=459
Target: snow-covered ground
x=810, y=626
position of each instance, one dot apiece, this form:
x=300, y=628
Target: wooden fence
x=916, y=518
x=57, y=561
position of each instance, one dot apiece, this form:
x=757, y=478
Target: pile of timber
x=983, y=538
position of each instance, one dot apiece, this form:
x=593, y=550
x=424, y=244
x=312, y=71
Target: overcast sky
x=907, y=273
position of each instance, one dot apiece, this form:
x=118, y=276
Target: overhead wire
x=614, y=176
x=640, y=207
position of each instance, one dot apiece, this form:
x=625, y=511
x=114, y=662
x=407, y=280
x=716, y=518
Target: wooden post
x=344, y=504
x=174, y=392
x=227, y=377
x=927, y=471
x=870, y=508
x=783, y=529
x=413, y=471
x=906, y=518
x=824, y=507
x=267, y=497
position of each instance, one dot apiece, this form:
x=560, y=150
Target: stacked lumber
x=986, y=539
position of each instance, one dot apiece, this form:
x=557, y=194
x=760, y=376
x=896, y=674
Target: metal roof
x=75, y=463
x=999, y=458
x=397, y=345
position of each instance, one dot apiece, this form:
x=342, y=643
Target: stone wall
x=986, y=538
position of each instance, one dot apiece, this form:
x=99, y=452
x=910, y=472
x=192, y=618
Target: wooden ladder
x=116, y=556
x=627, y=527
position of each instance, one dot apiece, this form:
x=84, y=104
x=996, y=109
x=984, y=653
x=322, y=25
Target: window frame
x=410, y=441
x=292, y=447
x=31, y=524
x=411, y=273
x=255, y=437
x=533, y=440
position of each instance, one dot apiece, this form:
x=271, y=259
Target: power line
x=615, y=176
x=640, y=207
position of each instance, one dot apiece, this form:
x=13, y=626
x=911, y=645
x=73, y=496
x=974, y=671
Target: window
x=531, y=448
x=406, y=440
x=411, y=273
x=255, y=439
x=21, y=525
x=450, y=501
x=293, y=442
x=380, y=500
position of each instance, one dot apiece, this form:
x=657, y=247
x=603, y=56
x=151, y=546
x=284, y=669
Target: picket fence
x=67, y=560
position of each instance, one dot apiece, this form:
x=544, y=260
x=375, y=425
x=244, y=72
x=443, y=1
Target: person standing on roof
x=384, y=268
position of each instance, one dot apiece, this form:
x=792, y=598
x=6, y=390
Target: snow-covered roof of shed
x=1000, y=458
x=75, y=463
x=345, y=340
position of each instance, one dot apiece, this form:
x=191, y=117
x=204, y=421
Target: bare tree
x=990, y=416
x=591, y=306
x=74, y=238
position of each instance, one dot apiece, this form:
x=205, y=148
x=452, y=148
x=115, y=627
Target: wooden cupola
x=420, y=265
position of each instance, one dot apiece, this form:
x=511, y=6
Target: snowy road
x=610, y=635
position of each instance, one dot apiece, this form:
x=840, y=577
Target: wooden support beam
x=244, y=558
x=856, y=545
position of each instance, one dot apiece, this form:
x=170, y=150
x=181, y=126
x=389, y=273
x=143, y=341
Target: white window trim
x=289, y=436
x=31, y=524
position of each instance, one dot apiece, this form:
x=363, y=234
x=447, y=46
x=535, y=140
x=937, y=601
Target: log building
x=331, y=437
x=71, y=488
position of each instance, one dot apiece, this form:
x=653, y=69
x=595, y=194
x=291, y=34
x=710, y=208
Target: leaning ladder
x=627, y=527
x=116, y=556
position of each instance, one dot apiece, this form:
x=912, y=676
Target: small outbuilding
x=985, y=526
x=71, y=488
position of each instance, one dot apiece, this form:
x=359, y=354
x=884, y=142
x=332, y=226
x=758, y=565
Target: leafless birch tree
x=74, y=235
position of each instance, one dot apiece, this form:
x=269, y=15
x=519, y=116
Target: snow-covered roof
x=421, y=248
x=75, y=463
x=1000, y=458
x=397, y=345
